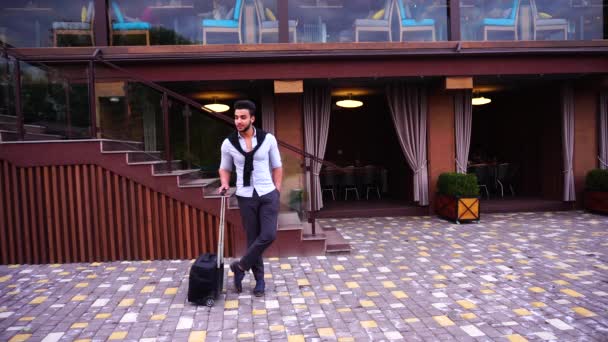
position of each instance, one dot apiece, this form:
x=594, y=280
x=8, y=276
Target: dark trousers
x=260, y=216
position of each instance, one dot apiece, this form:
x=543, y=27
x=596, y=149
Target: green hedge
x=597, y=180
x=458, y=184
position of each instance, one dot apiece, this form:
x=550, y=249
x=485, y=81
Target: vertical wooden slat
x=49, y=214
x=42, y=237
x=172, y=232
x=96, y=236
x=102, y=232
x=209, y=232
x=118, y=204
x=133, y=210
x=187, y=231
x=196, y=248
x=78, y=203
x=32, y=209
x=157, y=228
x=214, y=233
x=56, y=215
x=164, y=227
x=180, y=230
x=110, y=215
x=3, y=216
x=25, y=209
x=18, y=244
x=149, y=235
x=62, y=203
x=201, y=229
x=88, y=210
x=72, y=218
x=125, y=217
x=142, y=223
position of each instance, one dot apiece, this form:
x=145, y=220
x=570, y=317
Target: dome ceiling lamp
x=216, y=107
x=349, y=103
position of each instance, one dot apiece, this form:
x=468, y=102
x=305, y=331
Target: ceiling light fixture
x=480, y=100
x=349, y=103
x=216, y=107
x=114, y=99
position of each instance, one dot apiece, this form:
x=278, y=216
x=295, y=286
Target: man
x=259, y=174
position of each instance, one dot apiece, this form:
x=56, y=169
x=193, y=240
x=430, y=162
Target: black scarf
x=248, y=169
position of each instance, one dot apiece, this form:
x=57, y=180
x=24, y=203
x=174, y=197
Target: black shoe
x=260, y=286
x=239, y=274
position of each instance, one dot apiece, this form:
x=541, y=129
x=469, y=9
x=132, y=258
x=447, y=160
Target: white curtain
x=463, y=110
x=409, y=110
x=568, y=141
x=317, y=109
x=604, y=130
x=268, y=111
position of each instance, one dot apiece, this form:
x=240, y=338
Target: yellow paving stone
x=516, y=338
x=79, y=325
x=150, y=270
x=538, y=304
x=273, y=259
x=536, y=289
x=352, y=284
x=404, y=268
x=341, y=310
x=303, y=282
x=326, y=332
x=79, y=298
x=469, y=268
x=81, y=285
x=367, y=264
x=424, y=254
x=466, y=304
x=20, y=338
x=12, y=293
x=584, y=312
x=330, y=288
x=444, y=321
x=511, y=276
x=171, y=291
x=258, y=312
x=367, y=303
x=285, y=266
x=488, y=284
x=130, y=269
x=423, y=248
x=103, y=316
x=521, y=261
x=39, y=300
x=498, y=260
x=64, y=273
x=359, y=257
x=126, y=302
x=369, y=324
x=91, y=276
x=325, y=301
x=5, y=278
x=14, y=266
x=346, y=339
x=388, y=284
x=439, y=277
x=356, y=276
x=231, y=304
x=144, y=278
x=522, y=312
x=110, y=268
x=83, y=340
x=245, y=335
x=338, y=267
x=276, y=328
x=308, y=294
x=197, y=336
x=570, y=276
x=372, y=294
x=468, y=315
x=317, y=270
x=295, y=338
x=148, y=289
x=12, y=286
x=283, y=294
x=480, y=262
x=440, y=286
x=300, y=306
x=561, y=282
x=399, y=294
x=118, y=335
x=571, y=293
x=39, y=290
x=406, y=279
x=159, y=317
x=267, y=276
x=529, y=274
x=447, y=267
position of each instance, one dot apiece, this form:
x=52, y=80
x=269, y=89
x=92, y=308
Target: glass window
x=46, y=23
x=369, y=20
x=533, y=19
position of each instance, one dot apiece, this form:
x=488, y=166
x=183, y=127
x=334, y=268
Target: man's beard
x=246, y=128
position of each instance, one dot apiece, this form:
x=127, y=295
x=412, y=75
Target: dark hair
x=245, y=104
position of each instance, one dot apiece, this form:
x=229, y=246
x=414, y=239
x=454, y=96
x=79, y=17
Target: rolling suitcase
x=207, y=272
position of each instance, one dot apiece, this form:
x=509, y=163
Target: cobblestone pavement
x=513, y=277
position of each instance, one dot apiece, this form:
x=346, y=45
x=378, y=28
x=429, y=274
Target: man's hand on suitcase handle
x=223, y=189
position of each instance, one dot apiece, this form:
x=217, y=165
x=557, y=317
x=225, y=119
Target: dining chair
x=76, y=28
x=381, y=24
x=229, y=25
x=268, y=24
x=125, y=28
x=503, y=24
x=408, y=24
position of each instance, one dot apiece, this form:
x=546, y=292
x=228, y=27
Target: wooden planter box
x=596, y=201
x=458, y=209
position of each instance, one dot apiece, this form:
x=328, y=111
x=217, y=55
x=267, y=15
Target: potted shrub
x=596, y=191
x=458, y=197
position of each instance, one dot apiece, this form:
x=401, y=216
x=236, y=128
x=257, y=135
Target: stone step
x=121, y=145
x=13, y=136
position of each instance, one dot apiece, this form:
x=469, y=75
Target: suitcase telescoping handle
x=220, y=243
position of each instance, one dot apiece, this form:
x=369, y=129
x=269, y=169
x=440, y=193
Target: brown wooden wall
x=84, y=213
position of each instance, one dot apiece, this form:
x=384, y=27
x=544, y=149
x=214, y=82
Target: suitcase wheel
x=209, y=302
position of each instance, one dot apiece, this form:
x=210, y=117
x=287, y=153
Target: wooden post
x=18, y=108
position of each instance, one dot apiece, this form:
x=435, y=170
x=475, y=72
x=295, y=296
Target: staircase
x=8, y=130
